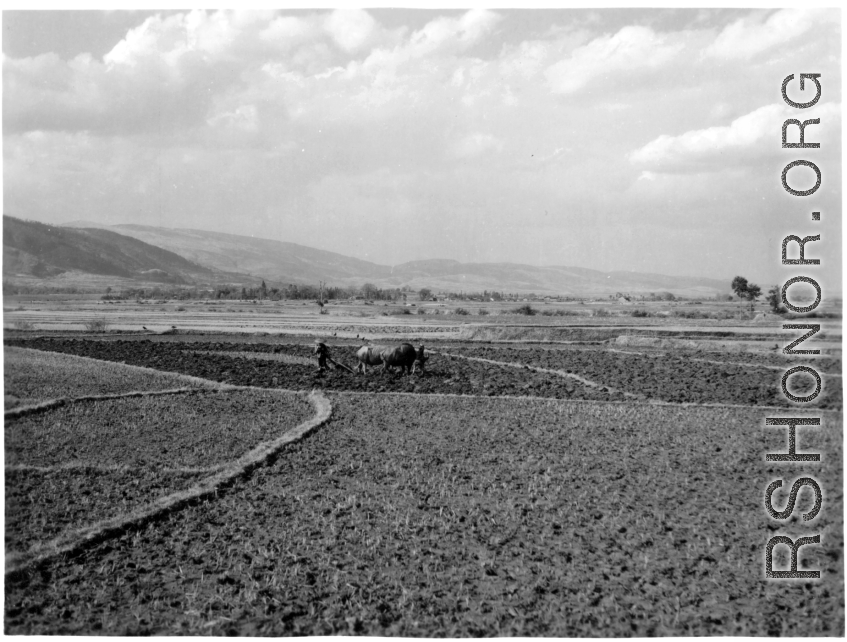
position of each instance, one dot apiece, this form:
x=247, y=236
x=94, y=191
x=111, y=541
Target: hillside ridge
x=249, y=259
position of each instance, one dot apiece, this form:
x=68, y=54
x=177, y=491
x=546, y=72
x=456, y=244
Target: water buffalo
x=368, y=356
x=405, y=356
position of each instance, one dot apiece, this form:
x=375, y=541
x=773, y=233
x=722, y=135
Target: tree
x=753, y=293
x=745, y=290
x=739, y=286
x=775, y=300
x=425, y=294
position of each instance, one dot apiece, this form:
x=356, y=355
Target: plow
x=340, y=365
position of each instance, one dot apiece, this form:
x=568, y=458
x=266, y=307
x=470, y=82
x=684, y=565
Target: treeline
x=368, y=292
x=261, y=292
x=486, y=295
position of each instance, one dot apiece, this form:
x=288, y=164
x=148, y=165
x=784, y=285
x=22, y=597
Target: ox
x=405, y=356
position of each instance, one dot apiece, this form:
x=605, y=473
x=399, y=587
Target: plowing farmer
x=322, y=353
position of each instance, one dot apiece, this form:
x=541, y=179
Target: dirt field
x=616, y=375
x=534, y=490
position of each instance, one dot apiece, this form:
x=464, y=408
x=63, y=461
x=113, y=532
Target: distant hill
x=43, y=251
x=282, y=262
x=276, y=261
x=514, y=277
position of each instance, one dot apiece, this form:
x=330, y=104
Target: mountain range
x=184, y=256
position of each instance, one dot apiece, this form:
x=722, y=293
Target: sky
x=614, y=139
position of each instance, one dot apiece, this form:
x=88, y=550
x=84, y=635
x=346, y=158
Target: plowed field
x=671, y=378
x=469, y=517
x=512, y=512
x=86, y=461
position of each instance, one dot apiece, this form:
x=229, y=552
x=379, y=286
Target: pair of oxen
x=405, y=357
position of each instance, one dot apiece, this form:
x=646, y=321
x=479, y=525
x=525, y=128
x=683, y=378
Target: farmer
x=322, y=353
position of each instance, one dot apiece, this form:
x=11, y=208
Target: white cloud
x=756, y=133
x=459, y=33
x=439, y=37
x=350, y=29
x=168, y=39
x=749, y=36
x=284, y=32
x=632, y=48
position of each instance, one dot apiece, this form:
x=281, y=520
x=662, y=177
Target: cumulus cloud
x=350, y=29
x=633, y=48
x=754, y=134
x=172, y=71
x=455, y=33
x=752, y=35
x=442, y=37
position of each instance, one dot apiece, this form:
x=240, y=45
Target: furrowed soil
x=462, y=516
x=32, y=376
x=445, y=376
x=674, y=378
x=90, y=460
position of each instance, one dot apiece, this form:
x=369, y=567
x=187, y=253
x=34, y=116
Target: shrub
x=482, y=312
x=421, y=311
x=547, y=313
x=602, y=312
x=527, y=310
x=640, y=313
x=96, y=325
x=461, y=311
